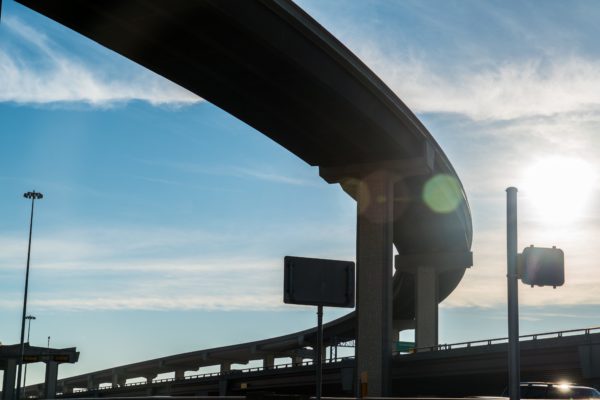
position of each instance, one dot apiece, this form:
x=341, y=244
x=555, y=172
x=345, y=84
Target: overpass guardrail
x=522, y=338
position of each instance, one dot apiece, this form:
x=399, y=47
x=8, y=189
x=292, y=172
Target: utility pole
x=514, y=368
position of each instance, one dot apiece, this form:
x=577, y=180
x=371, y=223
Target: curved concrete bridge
x=271, y=65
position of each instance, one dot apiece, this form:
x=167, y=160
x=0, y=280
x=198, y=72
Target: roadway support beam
x=9, y=380
x=426, y=307
x=374, y=282
x=50, y=381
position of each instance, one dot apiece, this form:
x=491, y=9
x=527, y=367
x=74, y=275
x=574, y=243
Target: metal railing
x=451, y=346
x=522, y=338
x=217, y=374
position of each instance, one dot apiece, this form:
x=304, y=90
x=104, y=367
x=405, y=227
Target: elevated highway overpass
x=462, y=369
x=271, y=65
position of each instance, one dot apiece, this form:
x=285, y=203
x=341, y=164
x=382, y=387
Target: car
x=547, y=390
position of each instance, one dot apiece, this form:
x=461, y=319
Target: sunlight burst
x=559, y=188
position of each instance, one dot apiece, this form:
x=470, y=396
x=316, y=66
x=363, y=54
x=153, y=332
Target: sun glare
x=559, y=188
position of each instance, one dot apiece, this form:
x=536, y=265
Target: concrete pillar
x=91, y=385
x=50, y=381
x=374, y=283
x=395, y=338
x=118, y=380
x=426, y=307
x=9, y=380
x=223, y=386
x=269, y=361
x=297, y=360
x=225, y=367
x=150, y=378
x=179, y=374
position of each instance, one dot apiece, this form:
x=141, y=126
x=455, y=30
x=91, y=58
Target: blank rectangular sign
x=315, y=281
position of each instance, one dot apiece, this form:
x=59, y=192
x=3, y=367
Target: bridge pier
x=150, y=378
x=372, y=185
x=91, y=385
x=426, y=307
x=269, y=361
x=118, y=380
x=50, y=381
x=426, y=269
x=179, y=374
x=225, y=367
x=374, y=282
x=9, y=379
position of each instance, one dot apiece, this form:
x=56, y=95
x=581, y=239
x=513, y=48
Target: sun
x=558, y=188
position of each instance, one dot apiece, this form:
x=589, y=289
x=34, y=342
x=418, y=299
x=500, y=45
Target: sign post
x=319, y=282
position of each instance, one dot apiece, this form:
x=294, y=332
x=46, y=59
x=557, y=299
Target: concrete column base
x=9, y=380
x=51, y=378
x=426, y=307
x=269, y=362
x=374, y=283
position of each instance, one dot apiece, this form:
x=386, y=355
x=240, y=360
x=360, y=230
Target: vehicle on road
x=547, y=390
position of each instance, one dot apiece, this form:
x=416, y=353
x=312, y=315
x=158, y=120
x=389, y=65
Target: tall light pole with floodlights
x=29, y=318
x=33, y=196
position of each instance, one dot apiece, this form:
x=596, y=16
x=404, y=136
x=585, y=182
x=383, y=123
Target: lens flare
x=442, y=193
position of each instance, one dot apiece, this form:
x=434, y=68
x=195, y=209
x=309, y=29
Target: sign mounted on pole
x=318, y=282
x=542, y=266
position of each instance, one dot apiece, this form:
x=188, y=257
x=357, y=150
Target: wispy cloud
x=505, y=91
x=51, y=74
x=266, y=174
x=158, y=268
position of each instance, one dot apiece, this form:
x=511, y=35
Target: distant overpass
x=462, y=369
x=271, y=65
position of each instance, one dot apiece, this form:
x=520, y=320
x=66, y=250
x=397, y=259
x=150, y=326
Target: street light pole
x=33, y=196
x=28, y=318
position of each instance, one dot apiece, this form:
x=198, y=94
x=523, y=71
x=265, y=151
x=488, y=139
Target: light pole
x=33, y=196
x=28, y=318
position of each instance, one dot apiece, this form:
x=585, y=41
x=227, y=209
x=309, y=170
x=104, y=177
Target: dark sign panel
x=314, y=281
x=543, y=266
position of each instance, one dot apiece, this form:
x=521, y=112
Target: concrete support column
x=66, y=389
x=269, y=362
x=394, y=338
x=91, y=385
x=50, y=381
x=225, y=367
x=374, y=283
x=223, y=386
x=179, y=374
x=9, y=380
x=118, y=380
x=150, y=378
x=426, y=307
x=297, y=360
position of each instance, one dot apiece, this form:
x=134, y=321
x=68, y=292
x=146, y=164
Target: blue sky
x=165, y=220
